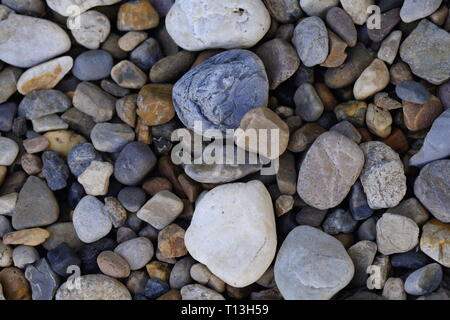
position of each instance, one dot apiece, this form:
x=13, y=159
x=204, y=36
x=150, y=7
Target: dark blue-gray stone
x=425, y=280
x=7, y=113
x=367, y=230
x=155, y=288
x=413, y=92
x=134, y=162
x=339, y=221
x=61, y=258
x=134, y=222
x=81, y=156
x=75, y=194
x=327, y=120
x=93, y=65
x=132, y=198
x=43, y=280
x=19, y=126
x=310, y=216
x=218, y=92
x=413, y=259
x=358, y=203
x=146, y=54
x=162, y=6
x=41, y=103
x=5, y=226
x=55, y=170
x=89, y=252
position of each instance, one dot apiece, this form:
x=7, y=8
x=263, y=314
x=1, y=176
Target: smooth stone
x=75, y=194
x=29, y=237
x=89, y=220
x=284, y=11
x=424, y=280
x=311, y=41
x=180, y=274
x=8, y=82
x=35, y=191
x=137, y=15
x=31, y=164
x=132, y=198
x=93, y=287
x=24, y=255
x=111, y=137
x=383, y=176
x=136, y=282
x=93, y=65
x=8, y=203
x=362, y=254
x=327, y=173
x=436, y=145
x=220, y=105
x=154, y=104
x=389, y=47
x=171, y=68
x=146, y=54
x=114, y=89
x=134, y=162
x=113, y=265
x=95, y=179
x=43, y=280
x=43, y=103
x=162, y=6
x=412, y=91
x=62, y=232
x=65, y=8
x=199, y=292
x=55, y=170
x=444, y=94
x=81, y=156
x=353, y=112
x=49, y=123
x=434, y=241
x=155, y=288
x=388, y=21
x=413, y=10
x=400, y=72
x=337, y=55
x=253, y=241
x=413, y=259
x=8, y=151
x=35, y=8
x=127, y=75
x=312, y=265
x=317, y=8
x=137, y=252
x=161, y=210
x=358, y=203
x=379, y=121
x=421, y=116
x=339, y=221
x=432, y=188
x=79, y=121
x=14, y=284
x=126, y=109
x=93, y=101
x=241, y=24
x=89, y=29
x=310, y=216
x=6, y=255
x=342, y=24
x=307, y=103
x=394, y=289
x=5, y=226
x=426, y=51
x=131, y=40
x=372, y=80
x=28, y=41
x=396, y=234
x=347, y=129
x=357, y=9
x=412, y=209
x=111, y=45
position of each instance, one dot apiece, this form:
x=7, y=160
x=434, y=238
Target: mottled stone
x=55, y=170
x=89, y=29
x=424, y=280
x=372, y=80
x=342, y=24
x=93, y=101
x=89, y=220
x=421, y=116
x=362, y=254
x=339, y=221
x=42, y=103
x=155, y=105
x=379, y=121
x=171, y=241
x=137, y=252
x=137, y=15
x=396, y=234
x=435, y=240
x=127, y=75
x=383, y=100
x=311, y=41
x=43, y=280
x=14, y=284
x=413, y=10
x=307, y=102
x=284, y=11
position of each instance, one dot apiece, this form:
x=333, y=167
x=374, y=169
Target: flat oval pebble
x=93, y=65
x=90, y=28
x=113, y=265
x=424, y=280
x=412, y=91
x=44, y=102
x=111, y=137
x=341, y=23
x=8, y=151
x=307, y=103
x=396, y=234
x=311, y=41
x=137, y=252
x=414, y=10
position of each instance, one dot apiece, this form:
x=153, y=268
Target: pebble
x=310, y=216
x=311, y=41
x=312, y=265
x=131, y=40
x=199, y=292
x=93, y=287
x=327, y=173
x=29, y=237
x=49, y=123
x=6, y=255
x=7, y=113
x=62, y=232
x=115, y=211
x=81, y=156
x=111, y=137
x=388, y=21
x=246, y=87
x=202, y=275
x=89, y=220
x=302, y=138
x=43, y=281
x=317, y=8
x=263, y=119
x=126, y=109
x=79, y=121
x=8, y=203
x=114, y=89
x=424, y=280
x=337, y=55
x=389, y=47
x=171, y=68
x=15, y=285
x=357, y=9
x=383, y=100
x=412, y=209
x=35, y=191
x=64, y=8
x=282, y=67
x=413, y=259
x=136, y=282
x=436, y=145
x=342, y=24
x=362, y=254
x=24, y=255
x=383, y=176
x=93, y=65
x=43, y=103
x=89, y=29
x=400, y=72
x=55, y=170
x=180, y=274
x=432, y=188
x=444, y=94
x=284, y=11
x=372, y=80
x=241, y=25
x=44, y=40
x=307, y=102
x=339, y=221
x=394, y=289
x=155, y=288
x=8, y=151
x=155, y=104
x=8, y=82
x=137, y=15
x=396, y=234
x=61, y=258
x=146, y=54
x=283, y=204
x=137, y=252
x=93, y=101
x=352, y=111
x=161, y=209
x=434, y=241
x=127, y=75
x=171, y=242
x=134, y=162
x=421, y=116
x=132, y=198
x=158, y=270
x=254, y=241
x=347, y=129
x=113, y=265
x=95, y=179
x=379, y=121
x=412, y=91
x=425, y=50
x=111, y=45
x=415, y=10
x=5, y=226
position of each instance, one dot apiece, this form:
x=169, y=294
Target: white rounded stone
x=8, y=151
x=90, y=28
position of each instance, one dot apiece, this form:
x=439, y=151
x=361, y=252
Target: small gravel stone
x=55, y=170
x=93, y=101
x=131, y=40
x=389, y=47
x=111, y=137
x=24, y=255
x=6, y=255
x=388, y=21
x=379, y=121
x=93, y=65
x=29, y=237
x=155, y=288
x=43, y=280
x=302, y=138
x=95, y=179
x=357, y=9
x=126, y=109
x=146, y=54
x=396, y=234
x=90, y=29
x=155, y=106
x=137, y=15
x=352, y=111
x=307, y=102
x=337, y=55
x=171, y=241
x=383, y=100
x=79, y=121
x=372, y=80
x=127, y=75
x=339, y=221
x=89, y=220
x=161, y=209
x=424, y=280
x=171, y=68
x=347, y=129
x=284, y=11
x=62, y=232
x=8, y=151
x=180, y=274
x=434, y=241
x=362, y=254
x=81, y=156
x=132, y=198
x=394, y=289
x=8, y=82
x=113, y=265
x=412, y=91
x=311, y=41
x=199, y=292
x=115, y=211
x=137, y=252
x=341, y=23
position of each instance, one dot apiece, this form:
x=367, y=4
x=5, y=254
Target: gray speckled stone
x=311, y=41
x=89, y=220
x=5, y=226
x=55, y=170
x=93, y=65
x=41, y=103
x=81, y=156
x=111, y=137
x=424, y=280
x=284, y=11
x=312, y=265
x=43, y=280
x=362, y=254
x=203, y=95
x=24, y=255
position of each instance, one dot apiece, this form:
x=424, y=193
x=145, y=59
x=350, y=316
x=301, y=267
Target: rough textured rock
x=248, y=232
x=362, y=254
x=199, y=292
x=137, y=15
x=435, y=240
x=95, y=179
x=311, y=41
x=91, y=29
x=330, y=168
x=312, y=265
x=383, y=176
x=240, y=24
x=43, y=280
x=285, y=11
x=93, y=101
x=42, y=103
x=396, y=234
x=161, y=209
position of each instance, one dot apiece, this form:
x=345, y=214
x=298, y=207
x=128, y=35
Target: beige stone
x=29, y=237
x=95, y=179
x=379, y=121
x=62, y=141
x=372, y=80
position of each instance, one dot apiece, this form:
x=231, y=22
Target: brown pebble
x=127, y=75
x=29, y=237
x=156, y=184
x=301, y=139
x=418, y=117
x=15, y=285
x=337, y=55
x=31, y=164
x=13, y=183
x=167, y=169
x=347, y=239
x=190, y=187
x=171, y=241
x=143, y=133
x=171, y=68
x=155, y=105
x=366, y=136
x=158, y=270
x=113, y=265
x=35, y=145
x=3, y=171
x=205, y=55
x=126, y=109
x=383, y=100
x=397, y=141
x=173, y=294
x=283, y=204
x=137, y=15
x=400, y=72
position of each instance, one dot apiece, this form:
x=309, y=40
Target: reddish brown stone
x=397, y=141
x=155, y=105
x=190, y=187
x=15, y=285
x=400, y=72
x=137, y=15
x=171, y=242
x=157, y=184
x=35, y=145
x=365, y=135
x=418, y=117
x=328, y=99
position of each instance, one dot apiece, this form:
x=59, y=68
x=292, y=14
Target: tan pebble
x=15, y=285
x=379, y=121
x=156, y=184
x=171, y=241
x=35, y=145
x=190, y=187
x=3, y=171
x=400, y=72
x=137, y=15
x=383, y=100
x=62, y=141
x=373, y=79
x=301, y=139
x=126, y=109
x=29, y=237
x=131, y=40
x=113, y=265
x=283, y=204
x=418, y=117
x=143, y=132
x=337, y=54
x=31, y=163
x=173, y=294
x=158, y=270
x=326, y=96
